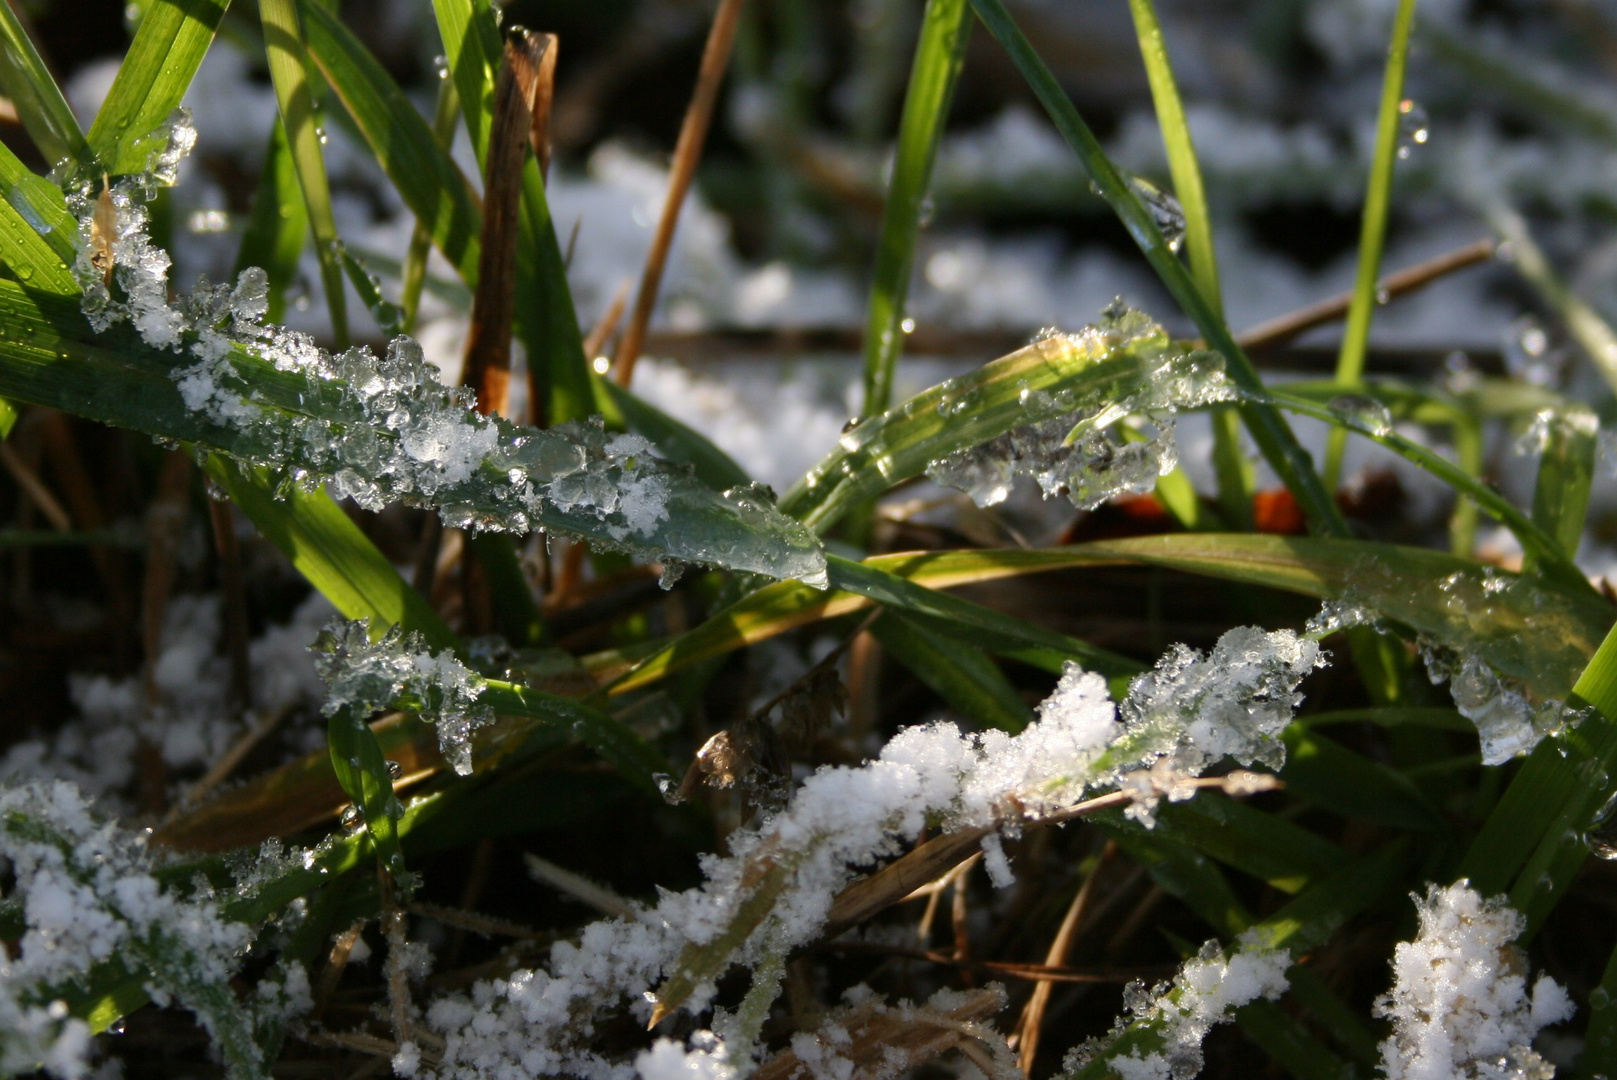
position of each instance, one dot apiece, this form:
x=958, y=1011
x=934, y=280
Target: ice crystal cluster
x=1460, y=1004
x=1068, y=446
x=1188, y=713
x=89, y=896
x=1176, y=1016
x=397, y=670
x=383, y=430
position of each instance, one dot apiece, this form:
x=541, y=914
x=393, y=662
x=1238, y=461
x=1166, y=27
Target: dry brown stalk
x=687, y=152
x=34, y=488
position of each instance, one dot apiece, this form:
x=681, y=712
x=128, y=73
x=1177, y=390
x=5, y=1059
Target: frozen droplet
x=1166, y=213
x=1413, y=128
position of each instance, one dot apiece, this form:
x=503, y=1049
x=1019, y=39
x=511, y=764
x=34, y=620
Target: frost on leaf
x=89, y=897
x=1166, y=1024
x=1069, y=445
x=381, y=430
x=1460, y=1004
x=398, y=671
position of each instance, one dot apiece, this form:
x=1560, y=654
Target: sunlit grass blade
x=421, y=171
x=278, y=224
x=1588, y=328
x=963, y=676
x=1269, y=430
x=939, y=55
x=1268, y=847
x=1566, y=468
x=1373, y=225
x=331, y=553
x=1234, y=473
x=164, y=57
x=471, y=40
x=40, y=106
x=37, y=234
x=294, y=90
x=1289, y=1043
x=356, y=759
x=446, y=117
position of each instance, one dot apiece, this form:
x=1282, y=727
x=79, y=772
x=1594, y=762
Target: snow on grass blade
x=939, y=55
x=1269, y=430
x=1012, y=415
x=168, y=48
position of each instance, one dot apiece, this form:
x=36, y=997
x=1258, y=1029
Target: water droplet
x=1527, y=353
x=1365, y=412
x=1601, y=835
x=1459, y=376
x=440, y=64
x=601, y=364
x=927, y=211
x=1413, y=128
x=908, y=325
x=320, y=134
x=352, y=818
x=118, y=1027
x=395, y=771
x=1166, y=213
x=1599, y=998
x=1383, y=297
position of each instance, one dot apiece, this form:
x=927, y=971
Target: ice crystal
x=1460, y=1004
x=1177, y=719
x=1068, y=445
x=385, y=430
x=89, y=897
x=1173, y=1018
x=1509, y=721
x=398, y=671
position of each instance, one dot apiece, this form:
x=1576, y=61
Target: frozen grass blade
x=278, y=225
x=1373, y=225
x=168, y=48
x=40, y=106
x=1269, y=430
x=939, y=55
x=962, y=675
x=288, y=64
x=1234, y=473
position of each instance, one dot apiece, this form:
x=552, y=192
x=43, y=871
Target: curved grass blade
x=1599, y=1054
x=445, y=117
x=327, y=548
x=1373, y=225
x=1322, y=771
x=421, y=171
x=1234, y=473
x=963, y=676
x=356, y=759
x=939, y=55
x=289, y=71
x=37, y=234
x=168, y=48
x=1269, y=430
x=471, y=38
x=278, y=225
x=1566, y=469
x=40, y=106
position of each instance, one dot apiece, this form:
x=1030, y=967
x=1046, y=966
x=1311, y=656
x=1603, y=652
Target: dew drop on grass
x=352, y=818
x=1365, y=412
x=1601, y=835
x=395, y=771
x=1166, y=213
x=1413, y=128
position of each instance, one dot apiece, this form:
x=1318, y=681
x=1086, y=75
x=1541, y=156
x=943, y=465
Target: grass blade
x=963, y=676
x=168, y=48
x=278, y=225
x=444, y=120
x=1373, y=225
x=37, y=234
x=40, y=106
x=356, y=759
x=1234, y=473
x=288, y=64
x=939, y=56
x=1566, y=469
x=1269, y=430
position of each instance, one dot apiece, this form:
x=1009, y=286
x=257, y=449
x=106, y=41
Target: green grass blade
x=939, y=55
x=549, y=322
x=289, y=71
x=1565, y=474
x=1373, y=225
x=356, y=758
x=1327, y=774
x=444, y=121
x=421, y=171
x=1269, y=430
x=471, y=38
x=40, y=106
x=961, y=675
x=37, y=234
x=389, y=316
x=1599, y=1056
x=278, y=224
x=1289, y=1043
x=1001, y=395
x=331, y=553
x=515, y=610
x=162, y=60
